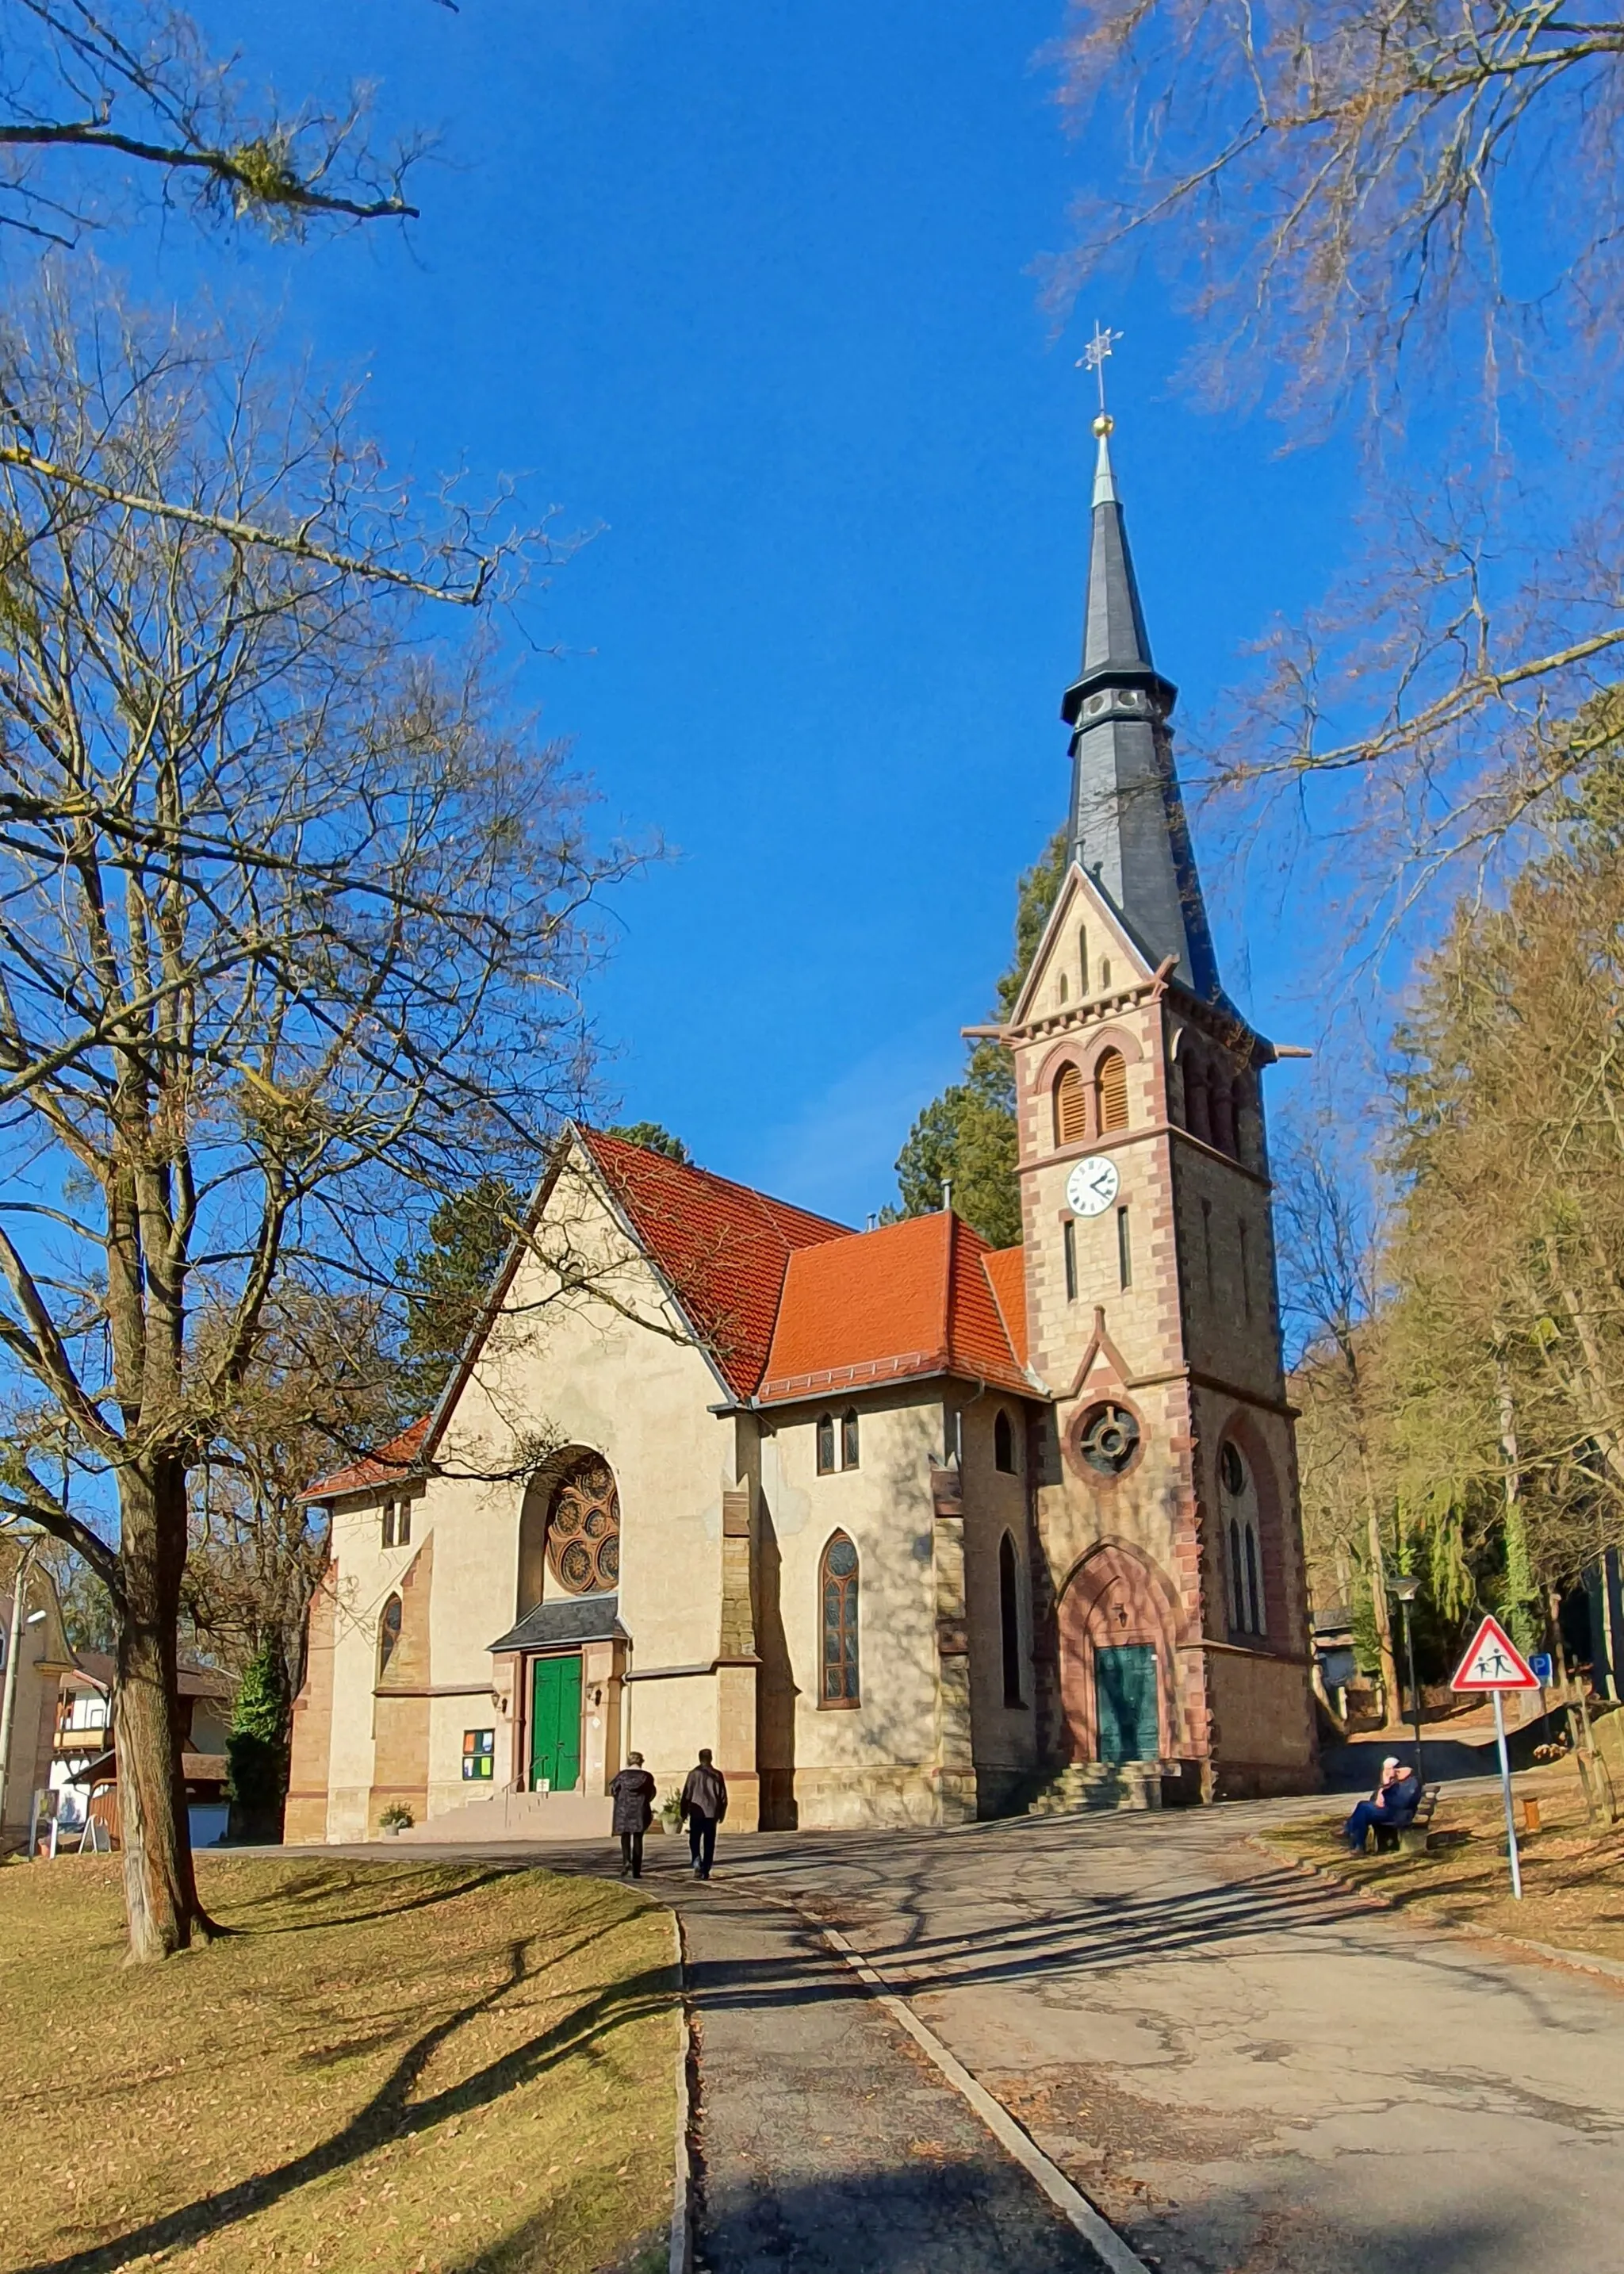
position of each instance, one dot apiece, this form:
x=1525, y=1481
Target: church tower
x=1170, y=1603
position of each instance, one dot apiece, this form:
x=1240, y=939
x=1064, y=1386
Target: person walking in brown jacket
x=633, y=1789
x=704, y=1804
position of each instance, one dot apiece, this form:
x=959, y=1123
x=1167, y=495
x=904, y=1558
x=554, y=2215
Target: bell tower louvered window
x=1111, y=1088
x=1071, y=1108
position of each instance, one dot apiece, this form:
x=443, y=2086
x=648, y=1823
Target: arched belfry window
x=1198, y=1121
x=388, y=1634
x=1245, y=1555
x=838, y=1594
x=1110, y=1084
x=1003, y=1442
x=1071, y=1108
x=825, y=1443
x=1009, y=1621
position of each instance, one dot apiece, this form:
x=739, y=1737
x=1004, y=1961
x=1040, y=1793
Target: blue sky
x=749, y=289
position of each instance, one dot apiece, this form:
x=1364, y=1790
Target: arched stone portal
x=1125, y=1708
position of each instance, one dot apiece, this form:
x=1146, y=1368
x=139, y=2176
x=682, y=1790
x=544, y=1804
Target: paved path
x=1250, y=2072
x=829, y=2145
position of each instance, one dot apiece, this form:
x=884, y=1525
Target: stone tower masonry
x=1171, y=1625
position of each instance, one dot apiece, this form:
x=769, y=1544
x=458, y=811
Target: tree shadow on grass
x=390, y=2113
x=314, y=1887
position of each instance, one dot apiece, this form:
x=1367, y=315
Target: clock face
x=1092, y=1185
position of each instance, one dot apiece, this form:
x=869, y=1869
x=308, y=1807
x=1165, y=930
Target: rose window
x=1107, y=1438
x=584, y=1529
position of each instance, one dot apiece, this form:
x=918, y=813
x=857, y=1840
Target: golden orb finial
x=1104, y=425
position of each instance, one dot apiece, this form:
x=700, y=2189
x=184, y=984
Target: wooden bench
x=1411, y=1839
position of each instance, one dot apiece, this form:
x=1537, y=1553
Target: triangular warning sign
x=1492, y=1662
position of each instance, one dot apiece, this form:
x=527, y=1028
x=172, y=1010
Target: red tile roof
x=722, y=1247
x=1006, y=1267
x=389, y=1465
x=911, y=1299
x=790, y=1304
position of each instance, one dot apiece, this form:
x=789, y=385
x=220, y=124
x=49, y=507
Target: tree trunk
x=161, y=1895
x=1392, y=1703
x=1520, y=1591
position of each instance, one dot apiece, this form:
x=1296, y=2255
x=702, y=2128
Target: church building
x=906, y=1529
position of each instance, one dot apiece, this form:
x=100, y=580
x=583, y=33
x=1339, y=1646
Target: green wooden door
x=555, y=1723
x=1124, y=1682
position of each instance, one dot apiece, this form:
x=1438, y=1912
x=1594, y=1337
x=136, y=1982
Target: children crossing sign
x=1492, y=1662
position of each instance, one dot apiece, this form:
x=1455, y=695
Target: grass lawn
x=386, y=2065
x=1573, y=1875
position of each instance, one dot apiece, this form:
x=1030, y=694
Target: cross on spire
x=1093, y=357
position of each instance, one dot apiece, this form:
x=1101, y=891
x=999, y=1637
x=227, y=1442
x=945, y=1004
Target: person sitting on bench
x=1394, y=1804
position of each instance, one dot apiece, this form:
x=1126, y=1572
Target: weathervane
x=1093, y=359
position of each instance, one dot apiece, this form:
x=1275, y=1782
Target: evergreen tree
x=257, y=1748
x=968, y=1135
x=446, y=1281
x=652, y=1138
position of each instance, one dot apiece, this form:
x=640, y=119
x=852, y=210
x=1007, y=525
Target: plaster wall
x=1003, y=1738
x=872, y=1762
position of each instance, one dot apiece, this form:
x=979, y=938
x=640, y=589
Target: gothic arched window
x=1071, y=1108
x=388, y=1634
x=1111, y=1089
x=1240, y=1531
x=1009, y=1621
x=850, y=1440
x=825, y=1443
x=1003, y=1443
x=584, y=1528
x=838, y=1594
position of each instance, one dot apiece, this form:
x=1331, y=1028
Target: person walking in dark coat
x=704, y=1804
x=633, y=1789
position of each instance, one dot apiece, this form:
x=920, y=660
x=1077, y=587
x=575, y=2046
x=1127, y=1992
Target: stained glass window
x=839, y=1589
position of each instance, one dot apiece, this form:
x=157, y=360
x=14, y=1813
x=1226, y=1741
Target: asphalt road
x=1248, y=2071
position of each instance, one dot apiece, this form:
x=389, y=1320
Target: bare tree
x=105, y=103
x=1414, y=211
x=1330, y=1302
x=290, y=925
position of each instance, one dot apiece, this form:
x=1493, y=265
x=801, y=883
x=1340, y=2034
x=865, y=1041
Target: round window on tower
x=1231, y=1469
x=1105, y=1441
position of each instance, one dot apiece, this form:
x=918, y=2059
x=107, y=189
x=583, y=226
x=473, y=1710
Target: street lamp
x=1406, y=1587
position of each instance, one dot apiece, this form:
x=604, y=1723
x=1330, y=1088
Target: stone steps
x=1087, y=1785
x=519, y=1816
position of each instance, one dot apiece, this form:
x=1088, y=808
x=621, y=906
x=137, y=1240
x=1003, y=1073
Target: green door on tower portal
x=555, y=1724
x=1125, y=1684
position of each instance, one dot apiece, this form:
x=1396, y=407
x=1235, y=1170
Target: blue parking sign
x=1539, y=1662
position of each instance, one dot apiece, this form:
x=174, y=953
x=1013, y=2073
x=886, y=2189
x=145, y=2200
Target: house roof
x=1006, y=1267
x=723, y=1248
x=392, y=1464
x=97, y=1668
x=910, y=1299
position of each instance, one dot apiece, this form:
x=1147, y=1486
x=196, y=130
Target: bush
x=396, y=1817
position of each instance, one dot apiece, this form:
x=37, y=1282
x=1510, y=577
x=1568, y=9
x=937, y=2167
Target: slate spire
x=1128, y=829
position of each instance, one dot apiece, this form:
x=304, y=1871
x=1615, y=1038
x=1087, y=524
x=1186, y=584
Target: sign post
x=1494, y=1663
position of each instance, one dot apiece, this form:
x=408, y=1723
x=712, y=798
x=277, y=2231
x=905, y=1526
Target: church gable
x=1086, y=954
